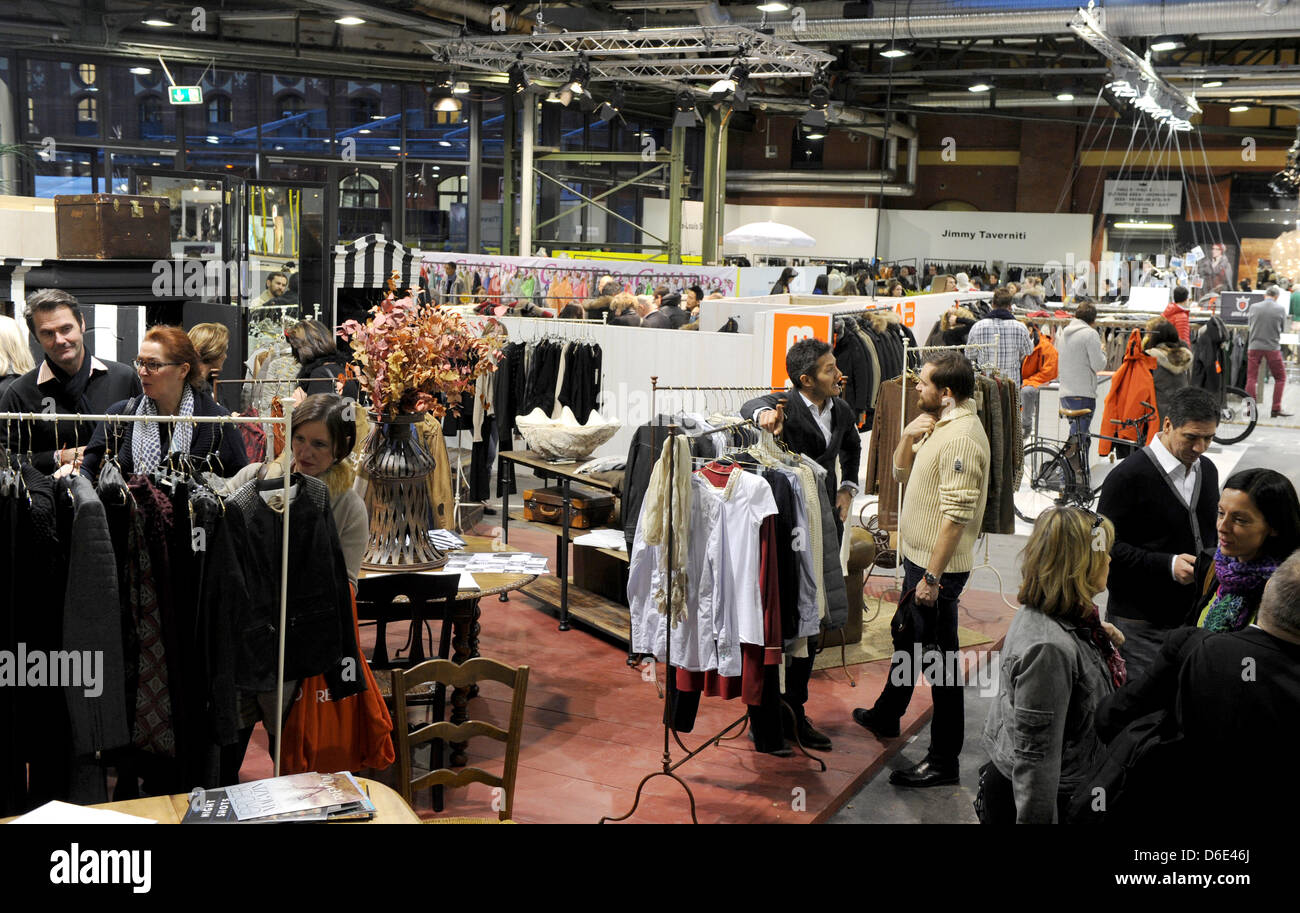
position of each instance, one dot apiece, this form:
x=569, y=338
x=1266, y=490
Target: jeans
x=1029, y=396
x=936, y=628
x=1083, y=423
x=1274, y=359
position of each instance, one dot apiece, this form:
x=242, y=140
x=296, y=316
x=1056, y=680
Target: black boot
x=809, y=735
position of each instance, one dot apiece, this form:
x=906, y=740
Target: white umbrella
x=768, y=234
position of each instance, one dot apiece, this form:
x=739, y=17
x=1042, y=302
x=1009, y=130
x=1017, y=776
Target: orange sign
x=788, y=327
x=906, y=309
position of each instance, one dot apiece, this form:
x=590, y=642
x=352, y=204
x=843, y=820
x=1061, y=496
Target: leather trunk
x=112, y=226
x=545, y=505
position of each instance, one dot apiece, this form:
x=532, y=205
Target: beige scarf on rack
x=663, y=495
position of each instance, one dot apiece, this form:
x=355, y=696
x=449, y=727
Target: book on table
x=294, y=798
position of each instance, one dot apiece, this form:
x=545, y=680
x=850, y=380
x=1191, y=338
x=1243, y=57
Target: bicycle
x=1236, y=408
x=1057, y=472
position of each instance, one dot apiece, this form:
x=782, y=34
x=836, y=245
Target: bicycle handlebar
x=1141, y=419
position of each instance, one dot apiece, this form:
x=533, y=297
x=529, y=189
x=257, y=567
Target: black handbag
x=1127, y=782
x=903, y=625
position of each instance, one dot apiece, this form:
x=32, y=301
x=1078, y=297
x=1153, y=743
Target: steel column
x=474, y=186
x=676, y=174
x=508, y=177
x=709, y=250
x=527, y=180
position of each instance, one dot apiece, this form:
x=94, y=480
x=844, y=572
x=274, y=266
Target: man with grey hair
x=1236, y=698
x=1267, y=321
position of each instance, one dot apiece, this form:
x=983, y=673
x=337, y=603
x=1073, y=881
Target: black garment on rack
x=543, y=374
x=1207, y=352
x=855, y=364
x=482, y=452
x=580, y=387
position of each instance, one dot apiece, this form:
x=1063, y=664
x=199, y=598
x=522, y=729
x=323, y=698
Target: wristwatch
x=931, y=579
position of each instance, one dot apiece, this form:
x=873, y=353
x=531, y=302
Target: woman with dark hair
x=1173, y=369
x=314, y=347
x=1259, y=527
x=782, y=284
x=171, y=374
x=896, y=290
x=820, y=284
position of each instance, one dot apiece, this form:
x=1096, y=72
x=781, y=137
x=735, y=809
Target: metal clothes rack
x=669, y=766
x=284, y=545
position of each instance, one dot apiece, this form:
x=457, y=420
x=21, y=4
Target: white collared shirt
x=1183, y=476
x=823, y=417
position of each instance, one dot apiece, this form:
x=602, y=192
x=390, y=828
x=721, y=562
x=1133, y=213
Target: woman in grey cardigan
x=1058, y=661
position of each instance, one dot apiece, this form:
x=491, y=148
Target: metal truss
x=670, y=56
x=1134, y=76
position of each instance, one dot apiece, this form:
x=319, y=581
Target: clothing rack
x=284, y=546
x=669, y=766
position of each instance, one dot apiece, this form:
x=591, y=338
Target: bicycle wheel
x=1048, y=478
x=1237, y=417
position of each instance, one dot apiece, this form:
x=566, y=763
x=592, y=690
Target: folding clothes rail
x=284, y=549
x=669, y=767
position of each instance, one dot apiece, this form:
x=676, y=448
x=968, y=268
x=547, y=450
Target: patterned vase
x=401, y=514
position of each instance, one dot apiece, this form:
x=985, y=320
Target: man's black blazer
x=1152, y=524
x=802, y=434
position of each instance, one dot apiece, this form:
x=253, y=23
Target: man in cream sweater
x=943, y=459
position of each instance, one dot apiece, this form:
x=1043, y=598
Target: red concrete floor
x=593, y=728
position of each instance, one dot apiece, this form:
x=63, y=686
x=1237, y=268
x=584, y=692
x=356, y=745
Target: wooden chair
x=419, y=598
x=451, y=675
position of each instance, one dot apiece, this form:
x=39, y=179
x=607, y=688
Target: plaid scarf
x=1096, y=635
x=146, y=445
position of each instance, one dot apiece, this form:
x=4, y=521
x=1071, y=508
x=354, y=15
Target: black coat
x=115, y=382
x=1236, y=727
x=658, y=320
x=226, y=441
x=1207, y=349
x=802, y=434
x=1151, y=526
x=328, y=367
x=855, y=364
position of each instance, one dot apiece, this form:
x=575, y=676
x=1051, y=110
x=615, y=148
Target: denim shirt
x=1039, y=733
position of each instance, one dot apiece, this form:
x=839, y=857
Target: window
x=31, y=116
x=219, y=110
x=86, y=73
x=359, y=191
x=362, y=110
x=290, y=103
x=87, y=110
x=150, y=115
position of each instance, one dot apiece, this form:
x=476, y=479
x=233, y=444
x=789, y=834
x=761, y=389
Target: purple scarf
x=1241, y=587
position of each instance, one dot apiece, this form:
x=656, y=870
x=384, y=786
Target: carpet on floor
x=876, y=641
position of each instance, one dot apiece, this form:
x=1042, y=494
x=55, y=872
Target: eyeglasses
x=153, y=367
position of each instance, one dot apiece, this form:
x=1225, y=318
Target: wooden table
x=390, y=808
x=605, y=615
x=464, y=616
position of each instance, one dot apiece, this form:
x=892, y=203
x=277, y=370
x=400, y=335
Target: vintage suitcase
x=544, y=505
x=112, y=226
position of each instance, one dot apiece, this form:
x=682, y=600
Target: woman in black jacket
x=782, y=284
x=171, y=374
x=314, y=347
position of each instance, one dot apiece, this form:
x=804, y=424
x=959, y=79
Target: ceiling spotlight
x=444, y=144
x=895, y=52
x=350, y=20
x=1166, y=43
x=554, y=98
x=980, y=86
x=618, y=99
x=518, y=77
x=1212, y=84
x=773, y=6
x=606, y=112
x=815, y=134
x=156, y=22
x=1145, y=226
x=460, y=88
x=686, y=115
x=1065, y=95
x=141, y=71
x=1237, y=109
x=731, y=83
x=447, y=104
x=819, y=96
x=578, y=77
x=364, y=130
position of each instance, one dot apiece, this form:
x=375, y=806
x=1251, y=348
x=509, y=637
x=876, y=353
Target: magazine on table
x=294, y=798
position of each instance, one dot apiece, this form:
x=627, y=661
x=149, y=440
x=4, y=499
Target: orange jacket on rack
x=1040, y=365
x=1132, y=385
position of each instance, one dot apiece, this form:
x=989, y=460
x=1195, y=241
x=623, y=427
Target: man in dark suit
x=69, y=380
x=670, y=306
x=1236, y=697
x=813, y=420
x=1163, y=500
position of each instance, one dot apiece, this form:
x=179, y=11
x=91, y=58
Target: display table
x=390, y=808
x=605, y=615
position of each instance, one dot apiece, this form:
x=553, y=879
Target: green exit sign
x=186, y=95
